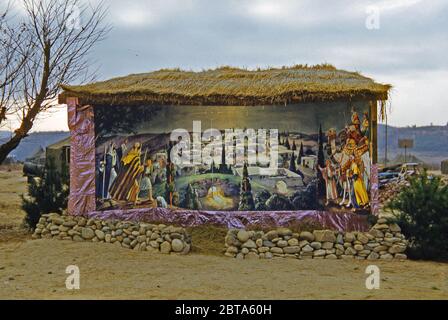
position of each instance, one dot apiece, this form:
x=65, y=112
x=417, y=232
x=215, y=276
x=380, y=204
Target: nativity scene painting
x=322, y=159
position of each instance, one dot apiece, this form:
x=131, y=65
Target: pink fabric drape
x=82, y=158
x=238, y=219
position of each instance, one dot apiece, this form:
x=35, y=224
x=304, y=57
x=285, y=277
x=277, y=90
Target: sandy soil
x=12, y=185
x=35, y=269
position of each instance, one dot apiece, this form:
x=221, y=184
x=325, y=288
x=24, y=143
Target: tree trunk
x=8, y=147
x=19, y=134
x=22, y=132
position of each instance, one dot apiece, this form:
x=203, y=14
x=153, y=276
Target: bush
x=278, y=202
x=46, y=194
x=260, y=200
x=421, y=210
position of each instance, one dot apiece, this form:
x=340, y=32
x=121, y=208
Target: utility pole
x=385, y=150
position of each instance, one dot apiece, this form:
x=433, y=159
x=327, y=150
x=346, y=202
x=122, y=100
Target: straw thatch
x=230, y=86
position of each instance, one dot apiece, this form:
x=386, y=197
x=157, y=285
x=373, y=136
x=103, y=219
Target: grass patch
x=207, y=239
x=295, y=226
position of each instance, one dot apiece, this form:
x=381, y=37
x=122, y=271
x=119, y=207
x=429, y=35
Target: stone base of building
x=134, y=235
x=383, y=241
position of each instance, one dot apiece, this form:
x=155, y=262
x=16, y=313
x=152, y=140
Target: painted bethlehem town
x=183, y=154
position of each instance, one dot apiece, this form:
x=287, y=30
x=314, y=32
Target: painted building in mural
x=233, y=140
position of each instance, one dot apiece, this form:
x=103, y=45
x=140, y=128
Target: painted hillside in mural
x=276, y=158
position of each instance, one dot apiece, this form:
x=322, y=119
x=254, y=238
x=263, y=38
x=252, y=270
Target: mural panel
x=223, y=158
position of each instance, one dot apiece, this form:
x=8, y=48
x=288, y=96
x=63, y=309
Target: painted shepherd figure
x=346, y=188
x=111, y=173
x=125, y=186
x=145, y=192
x=329, y=176
x=99, y=177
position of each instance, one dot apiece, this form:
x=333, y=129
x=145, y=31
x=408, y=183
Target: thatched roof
x=230, y=86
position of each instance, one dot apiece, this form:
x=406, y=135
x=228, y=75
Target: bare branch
x=50, y=48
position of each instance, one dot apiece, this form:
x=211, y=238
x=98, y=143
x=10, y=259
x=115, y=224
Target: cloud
x=396, y=4
x=147, y=13
x=133, y=16
x=407, y=51
x=418, y=97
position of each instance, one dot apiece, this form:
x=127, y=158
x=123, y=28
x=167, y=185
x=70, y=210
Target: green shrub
x=46, y=194
x=421, y=211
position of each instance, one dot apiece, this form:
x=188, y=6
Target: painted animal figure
x=162, y=202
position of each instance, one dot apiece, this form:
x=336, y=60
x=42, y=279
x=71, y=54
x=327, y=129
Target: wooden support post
x=374, y=131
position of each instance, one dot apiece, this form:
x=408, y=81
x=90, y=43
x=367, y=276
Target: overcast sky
x=408, y=50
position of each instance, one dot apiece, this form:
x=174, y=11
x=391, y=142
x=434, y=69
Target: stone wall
x=128, y=234
x=384, y=241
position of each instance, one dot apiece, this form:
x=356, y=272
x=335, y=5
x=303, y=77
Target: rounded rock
x=284, y=232
x=373, y=256
x=232, y=249
x=165, y=247
x=252, y=255
x=87, y=233
x=271, y=235
x=268, y=255
x=319, y=253
x=400, y=256
x=99, y=234
x=243, y=235
x=316, y=245
x=305, y=235
x=324, y=236
x=177, y=245
x=282, y=243
x=250, y=244
x=307, y=248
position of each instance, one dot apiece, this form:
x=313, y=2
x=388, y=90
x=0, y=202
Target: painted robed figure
x=126, y=185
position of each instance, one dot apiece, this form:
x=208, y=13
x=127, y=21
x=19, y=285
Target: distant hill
x=430, y=142
x=33, y=142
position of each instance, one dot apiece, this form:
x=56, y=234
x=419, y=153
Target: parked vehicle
x=388, y=174
x=409, y=169
x=386, y=177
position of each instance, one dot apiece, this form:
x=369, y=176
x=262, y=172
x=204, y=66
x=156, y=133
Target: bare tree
x=12, y=60
x=51, y=47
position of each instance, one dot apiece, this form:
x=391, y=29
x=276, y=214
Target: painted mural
x=276, y=158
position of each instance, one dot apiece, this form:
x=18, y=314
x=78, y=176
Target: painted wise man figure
x=126, y=185
x=360, y=194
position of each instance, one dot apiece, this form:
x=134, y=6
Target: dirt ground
x=35, y=269
x=12, y=185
